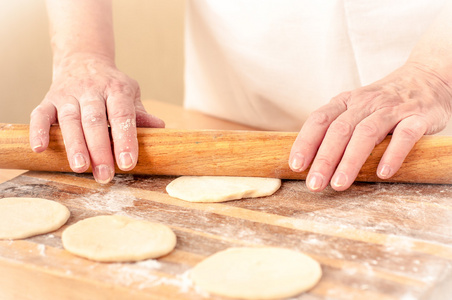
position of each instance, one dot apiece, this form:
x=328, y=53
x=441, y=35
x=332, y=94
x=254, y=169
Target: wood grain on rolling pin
x=230, y=153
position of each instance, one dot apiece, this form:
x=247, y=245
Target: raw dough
x=22, y=217
x=221, y=188
x=257, y=273
x=118, y=238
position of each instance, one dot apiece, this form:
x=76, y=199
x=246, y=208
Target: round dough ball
x=118, y=238
x=221, y=188
x=257, y=273
x=22, y=217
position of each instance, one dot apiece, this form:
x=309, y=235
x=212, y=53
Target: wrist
x=439, y=77
x=88, y=61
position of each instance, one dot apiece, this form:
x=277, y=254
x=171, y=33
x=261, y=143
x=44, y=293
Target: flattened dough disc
x=118, y=238
x=21, y=217
x=221, y=188
x=257, y=273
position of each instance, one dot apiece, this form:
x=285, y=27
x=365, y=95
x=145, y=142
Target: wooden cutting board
x=374, y=241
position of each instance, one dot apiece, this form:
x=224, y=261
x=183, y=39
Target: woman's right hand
x=87, y=94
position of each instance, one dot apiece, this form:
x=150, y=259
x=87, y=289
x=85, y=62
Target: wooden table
x=374, y=241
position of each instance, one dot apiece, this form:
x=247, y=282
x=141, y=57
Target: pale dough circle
x=257, y=273
x=22, y=217
x=221, y=188
x=118, y=238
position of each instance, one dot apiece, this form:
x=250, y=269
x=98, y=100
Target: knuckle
x=342, y=128
x=121, y=113
x=138, y=93
x=412, y=133
x=120, y=87
x=324, y=161
x=398, y=156
x=93, y=117
x=369, y=96
x=305, y=143
x=68, y=112
x=75, y=145
x=342, y=98
x=100, y=151
x=37, y=111
x=320, y=118
x=367, y=129
x=365, y=99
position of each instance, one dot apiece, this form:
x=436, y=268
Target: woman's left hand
x=338, y=138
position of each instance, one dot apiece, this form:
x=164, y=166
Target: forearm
x=434, y=49
x=81, y=26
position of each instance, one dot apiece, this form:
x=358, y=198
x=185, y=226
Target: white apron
x=269, y=64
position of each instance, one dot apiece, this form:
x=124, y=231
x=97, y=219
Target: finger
x=405, y=135
x=71, y=127
x=367, y=134
x=311, y=134
x=332, y=148
x=95, y=128
x=41, y=118
x=121, y=115
x=144, y=119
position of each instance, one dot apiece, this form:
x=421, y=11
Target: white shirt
x=270, y=63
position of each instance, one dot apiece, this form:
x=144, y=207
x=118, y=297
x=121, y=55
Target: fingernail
x=78, y=161
x=103, y=174
x=297, y=162
x=340, y=179
x=125, y=160
x=36, y=143
x=315, y=182
x=385, y=171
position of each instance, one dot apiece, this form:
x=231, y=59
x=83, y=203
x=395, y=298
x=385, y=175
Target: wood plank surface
x=375, y=241
x=9, y=174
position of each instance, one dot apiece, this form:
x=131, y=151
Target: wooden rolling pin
x=228, y=153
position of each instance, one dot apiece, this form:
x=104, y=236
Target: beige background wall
x=149, y=45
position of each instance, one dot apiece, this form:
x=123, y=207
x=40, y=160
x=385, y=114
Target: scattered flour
x=113, y=201
x=140, y=275
x=42, y=249
x=127, y=124
x=120, y=179
x=149, y=264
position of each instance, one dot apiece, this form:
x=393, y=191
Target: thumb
x=144, y=119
